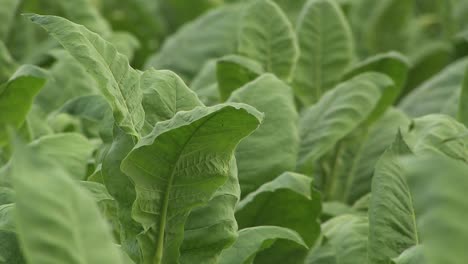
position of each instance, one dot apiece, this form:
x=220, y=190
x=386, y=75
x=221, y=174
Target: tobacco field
x=234, y=131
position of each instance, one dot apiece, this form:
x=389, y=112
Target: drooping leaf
x=345, y=241
x=179, y=166
x=440, y=94
x=165, y=94
x=326, y=46
x=116, y=80
x=43, y=221
x=267, y=36
x=338, y=113
x=254, y=239
x=272, y=149
x=233, y=72
x=16, y=97
x=392, y=217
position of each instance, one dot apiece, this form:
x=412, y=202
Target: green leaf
x=72, y=151
x=272, y=149
x=7, y=15
x=288, y=201
x=212, y=227
x=85, y=13
x=210, y=36
x=392, y=218
x=233, y=72
x=413, y=255
x=463, y=102
x=117, y=81
x=16, y=97
x=254, y=239
x=43, y=226
x=179, y=166
x=338, y=113
x=267, y=36
x=69, y=79
x=394, y=65
x=345, y=241
x=440, y=94
x=10, y=252
x=439, y=185
x=165, y=94
x=438, y=134
x=205, y=84
x=326, y=46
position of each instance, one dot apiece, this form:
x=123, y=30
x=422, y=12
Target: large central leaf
x=178, y=167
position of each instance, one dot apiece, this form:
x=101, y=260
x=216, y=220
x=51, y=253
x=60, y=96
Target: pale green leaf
x=178, y=167
x=43, y=221
x=84, y=12
x=254, y=239
x=413, y=255
x=463, y=102
x=117, y=81
x=272, y=149
x=326, y=46
x=7, y=63
x=267, y=36
x=7, y=15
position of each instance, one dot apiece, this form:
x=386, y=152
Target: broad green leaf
x=438, y=134
x=7, y=14
x=463, y=102
x=288, y=201
x=212, y=227
x=44, y=225
x=69, y=79
x=16, y=97
x=254, y=239
x=267, y=36
x=210, y=36
x=70, y=149
x=84, y=12
x=394, y=65
x=345, y=241
x=413, y=255
x=165, y=94
x=439, y=185
x=178, y=167
x=338, y=113
x=272, y=149
x=440, y=94
x=117, y=81
x=233, y=72
x=7, y=63
x=326, y=46
x=392, y=218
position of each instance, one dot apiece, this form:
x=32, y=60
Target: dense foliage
x=232, y=132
